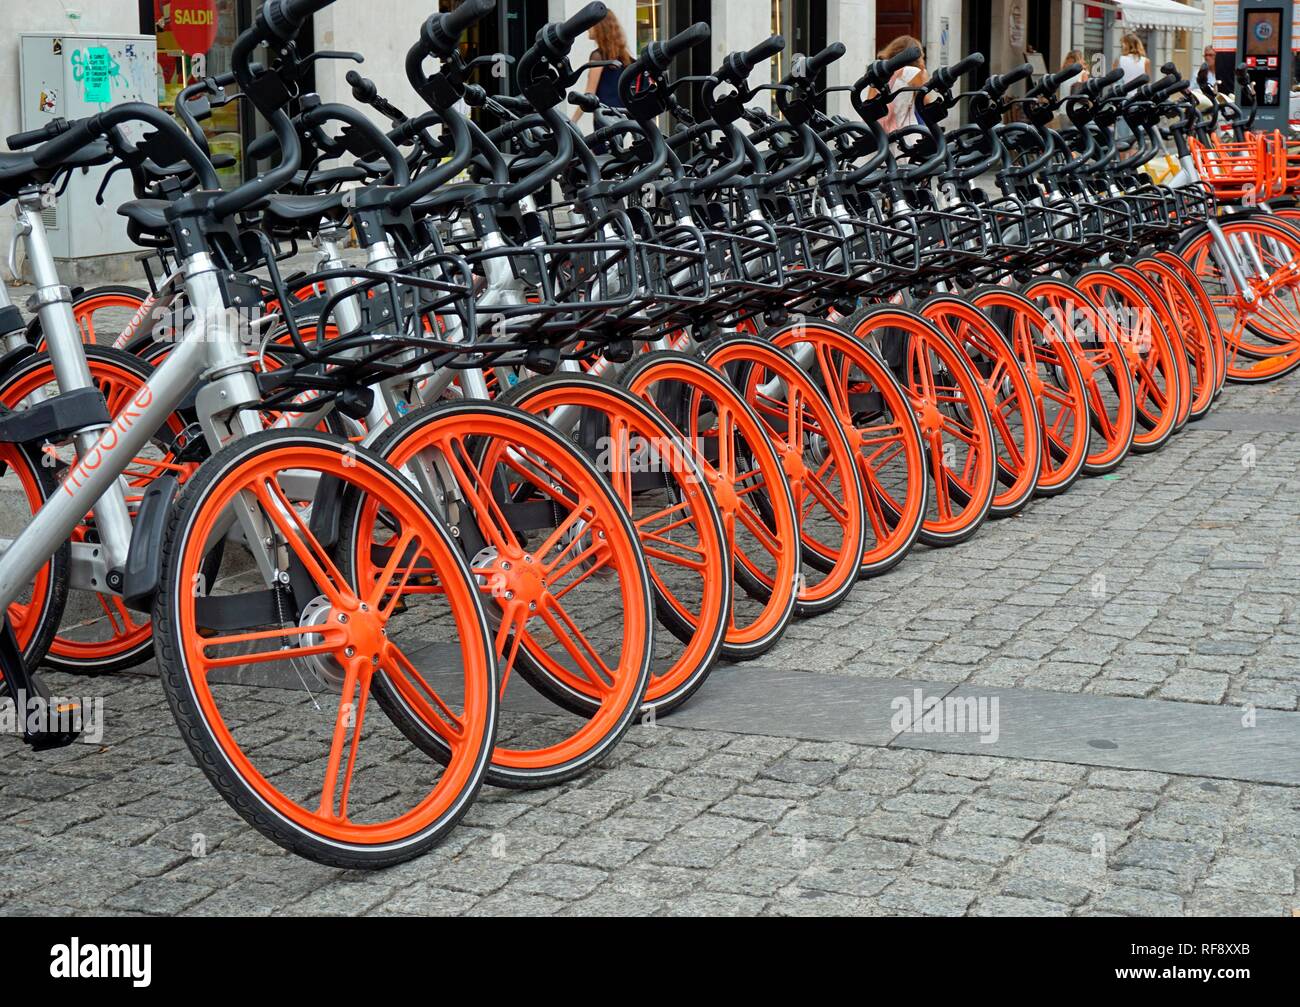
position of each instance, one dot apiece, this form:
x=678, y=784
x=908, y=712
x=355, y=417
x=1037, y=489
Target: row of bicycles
x=598, y=410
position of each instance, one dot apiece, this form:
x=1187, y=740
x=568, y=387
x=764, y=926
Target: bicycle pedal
x=45, y=739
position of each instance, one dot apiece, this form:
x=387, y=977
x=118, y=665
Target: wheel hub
x=518, y=579
x=364, y=632
x=929, y=418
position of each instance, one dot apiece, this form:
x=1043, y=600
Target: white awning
x=1152, y=13
x=1159, y=14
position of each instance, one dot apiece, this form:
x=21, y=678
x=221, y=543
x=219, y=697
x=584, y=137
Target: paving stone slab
x=1191, y=739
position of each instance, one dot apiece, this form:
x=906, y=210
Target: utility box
x=71, y=77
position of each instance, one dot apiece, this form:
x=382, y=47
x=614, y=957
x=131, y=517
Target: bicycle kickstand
x=44, y=724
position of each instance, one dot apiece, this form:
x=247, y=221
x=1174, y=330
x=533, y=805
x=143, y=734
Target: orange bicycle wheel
x=744, y=472
x=100, y=634
x=1007, y=395
x=662, y=487
x=36, y=613
x=819, y=468
x=1054, y=380
x=1185, y=319
x=1078, y=326
x=1192, y=282
x=956, y=430
x=563, y=575
x=269, y=672
x=873, y=411
x=1163, y=320
x=1135, y=327
x=1260, y=321
x=103, y=312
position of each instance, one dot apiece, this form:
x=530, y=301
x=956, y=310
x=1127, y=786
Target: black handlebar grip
x=471, y=12
x=998, y=84
x=1070, y=72
x=1049, y=82
x=1165, y=83
x=440, y=33
x=20, y=141
x=658, y=56
x=78, y=134
x=813, y=65
x=899, y=60
x=1114, y=77
x=363, y=88
x=284, y=18
x=586, y=102
x=586, y=18
x=683, y=40
x=946, y=76
x=1134, y=84
x=765, y=50
x=1170, y=70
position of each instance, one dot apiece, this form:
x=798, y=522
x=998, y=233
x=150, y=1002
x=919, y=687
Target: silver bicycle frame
x=210, y=347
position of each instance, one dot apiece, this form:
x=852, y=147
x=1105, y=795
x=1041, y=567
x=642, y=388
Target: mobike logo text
x=108, y=440
x=128, y=333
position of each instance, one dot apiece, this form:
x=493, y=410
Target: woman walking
x=611, y=45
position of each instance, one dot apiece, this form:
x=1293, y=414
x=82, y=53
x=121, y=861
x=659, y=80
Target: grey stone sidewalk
x=678, y=822
x=1173, y=582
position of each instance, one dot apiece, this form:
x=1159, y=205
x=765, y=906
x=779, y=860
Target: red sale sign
x=194, y=24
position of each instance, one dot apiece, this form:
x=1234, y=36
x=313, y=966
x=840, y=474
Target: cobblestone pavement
x=678, y=822
x=1173, y=581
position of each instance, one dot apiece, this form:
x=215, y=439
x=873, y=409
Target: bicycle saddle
x=299, y=208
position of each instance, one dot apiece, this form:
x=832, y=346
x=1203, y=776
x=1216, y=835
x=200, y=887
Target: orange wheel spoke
x=577, y=646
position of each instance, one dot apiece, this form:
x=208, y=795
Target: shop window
x=194, y=41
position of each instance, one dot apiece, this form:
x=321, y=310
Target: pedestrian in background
x=902, y=110
x=1071, y=58
x=1205, y=76
x=611, y=44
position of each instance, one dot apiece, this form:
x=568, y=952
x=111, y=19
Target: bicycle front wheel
x=268, y=656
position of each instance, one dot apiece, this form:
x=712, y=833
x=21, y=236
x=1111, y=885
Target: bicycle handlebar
x=946, y=76
x=999, y=84
x=811, y=67
x=1049, y=82
x=1134, y=84
x=657, y=56
x=81, y=132
x=41, y=134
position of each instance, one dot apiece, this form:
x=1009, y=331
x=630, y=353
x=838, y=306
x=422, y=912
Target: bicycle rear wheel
x=956, y=430
x=101, y=635
x=819, y=469
x=1186, y=319
x=1261, y=323
x=1007, y=394
x=746, y=477
x=1162, y=320
x=1078, y=326
x=36, y=613
x=1202, y=299
x=1135, y=328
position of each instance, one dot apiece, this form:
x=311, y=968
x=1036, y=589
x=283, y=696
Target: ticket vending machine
x=1264, y=53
